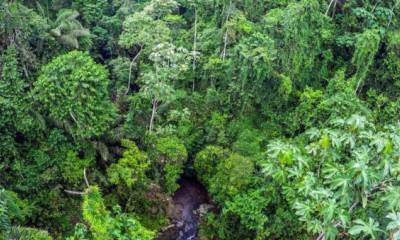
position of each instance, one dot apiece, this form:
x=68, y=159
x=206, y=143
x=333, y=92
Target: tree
x=249, y=208
x=68, y=30
x=206, y=162
x=158, y=84
x=140, y=29
x=25, y=28
x=303, y=31
x=17, y=113
x=92, y=10
x=366, y=48
x=255, y=56
x=11, y=90
x=10, y=210
x=74, y=90
x=171, y=155
x=131, y=168
x=105, y=226
x=344, y=168
x=234, y=175
x=144, y=30
x=157, y=9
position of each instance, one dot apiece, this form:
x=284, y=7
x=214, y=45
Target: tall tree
x=74, y=91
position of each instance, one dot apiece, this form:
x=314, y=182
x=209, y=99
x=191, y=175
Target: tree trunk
x=153, y=114
x=130, y=70
x=226, y=32
x=194, y=47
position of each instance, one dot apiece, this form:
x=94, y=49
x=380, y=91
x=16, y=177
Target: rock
x=203, y=210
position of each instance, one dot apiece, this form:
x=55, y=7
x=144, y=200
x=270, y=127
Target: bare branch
x=334, y=8
x=226, y=32
x=85, y=177
x=321, y=236
x=153, y=114
x=353, y=206
x=130, y=70
x=329, y=7
x=168, y=227
x=73, y=117
x=74, y=192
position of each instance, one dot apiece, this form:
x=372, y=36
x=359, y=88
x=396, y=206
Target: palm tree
x=68, y=30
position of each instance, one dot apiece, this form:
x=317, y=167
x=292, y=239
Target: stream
x=187, y=199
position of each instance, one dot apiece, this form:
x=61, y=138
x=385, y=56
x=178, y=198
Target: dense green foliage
x=287, y=111
x=73, y=89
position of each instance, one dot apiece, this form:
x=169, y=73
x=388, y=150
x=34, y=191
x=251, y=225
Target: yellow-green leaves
x=286, y=158
x=171, y=155
x=72, y=167
x=324, y=142
x=131, y=168
x=106, y=226
x=96, y=214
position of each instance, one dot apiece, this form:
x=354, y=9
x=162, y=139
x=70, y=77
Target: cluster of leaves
x=335, y=178
x=74, y=90
x=104, y=225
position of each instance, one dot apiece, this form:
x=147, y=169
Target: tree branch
x=353, y=206
x=329, y=7
x=130, y=70
x=226, y=32
x=85, y=177
x=194, y=46
x=74, y=192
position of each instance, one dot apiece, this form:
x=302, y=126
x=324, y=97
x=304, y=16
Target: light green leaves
x=68, y=30
x=344, y=171
x=169, y=63
x=96, y=214
x=160, y=8
x=394, y=225
x=391, y=198
x=142, y=30
x=366, y=229
x=395, y=221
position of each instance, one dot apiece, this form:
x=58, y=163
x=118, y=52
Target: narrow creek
x=187, y=199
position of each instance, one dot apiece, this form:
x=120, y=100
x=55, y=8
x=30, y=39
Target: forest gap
x=187, y=199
